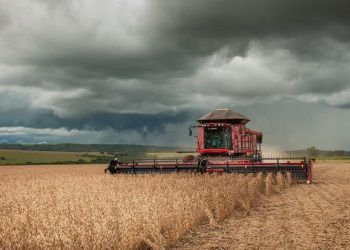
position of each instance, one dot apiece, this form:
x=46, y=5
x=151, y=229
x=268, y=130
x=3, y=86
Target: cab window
x=217, y=137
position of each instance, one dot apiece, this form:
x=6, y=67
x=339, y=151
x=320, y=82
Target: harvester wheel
x=202, y=166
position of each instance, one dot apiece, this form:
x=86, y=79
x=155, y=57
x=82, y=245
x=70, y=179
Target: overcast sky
x=142, y=71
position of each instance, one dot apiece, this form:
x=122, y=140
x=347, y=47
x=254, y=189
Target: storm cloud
x=146, y=69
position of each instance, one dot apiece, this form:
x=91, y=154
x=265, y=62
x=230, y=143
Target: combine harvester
x=225, y=145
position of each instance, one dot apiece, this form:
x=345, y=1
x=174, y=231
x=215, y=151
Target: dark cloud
x=241, y=18
x=143, y=65
x=143, y=123
x=172, y=36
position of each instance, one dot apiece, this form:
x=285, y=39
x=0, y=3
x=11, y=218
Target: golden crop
x=81, y=207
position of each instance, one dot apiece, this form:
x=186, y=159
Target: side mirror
x=190, y=131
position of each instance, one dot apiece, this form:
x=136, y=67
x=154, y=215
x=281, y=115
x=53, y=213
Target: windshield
x=217, y=137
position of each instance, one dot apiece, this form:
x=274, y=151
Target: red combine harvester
x=224, y=145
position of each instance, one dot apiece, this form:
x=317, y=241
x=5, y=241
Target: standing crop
x=80, y=207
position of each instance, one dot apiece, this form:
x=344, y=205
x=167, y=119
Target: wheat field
x=315, y=216
x=45, y=207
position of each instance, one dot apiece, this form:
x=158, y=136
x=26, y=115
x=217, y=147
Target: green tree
x=312, y=151
x=339, y=152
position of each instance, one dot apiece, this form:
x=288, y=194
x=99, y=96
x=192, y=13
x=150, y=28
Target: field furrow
x=304, y=217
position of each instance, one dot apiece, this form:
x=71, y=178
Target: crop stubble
x=315, y=216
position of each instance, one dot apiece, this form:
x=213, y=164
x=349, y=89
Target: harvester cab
x=224, y=145
x=223, y=132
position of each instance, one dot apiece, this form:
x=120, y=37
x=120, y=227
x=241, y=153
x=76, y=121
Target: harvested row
x=78, y=207
x=315, y=216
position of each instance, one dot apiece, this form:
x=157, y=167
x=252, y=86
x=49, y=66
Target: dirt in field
x=313, y=216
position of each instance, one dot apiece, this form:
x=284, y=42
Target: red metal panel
x=232, y=138
x=254, y=142
x=244, y=142
x=213, y=151
x=235, y=138
x=200, y=145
